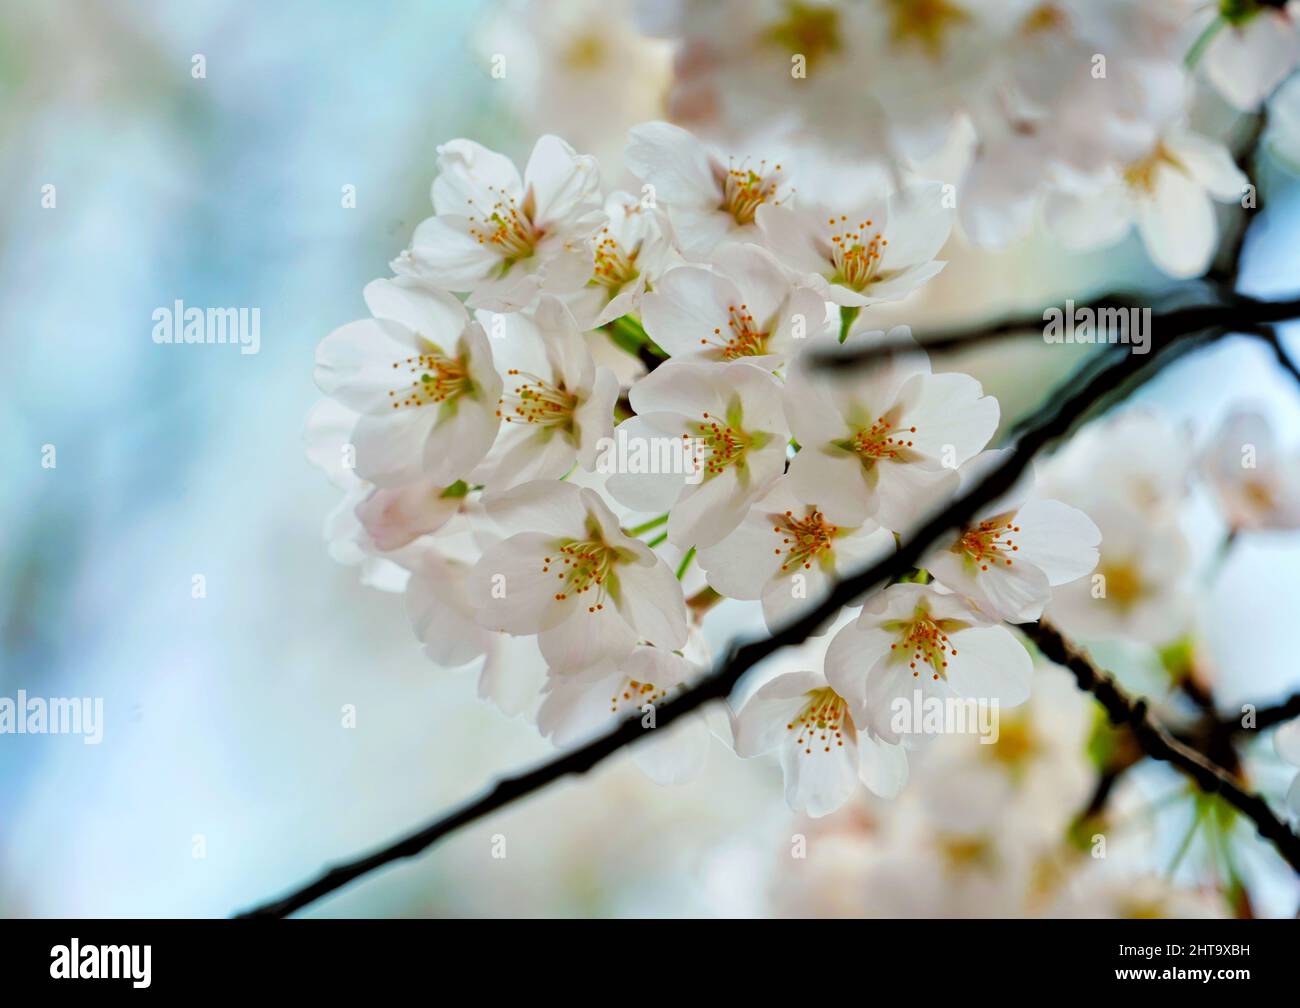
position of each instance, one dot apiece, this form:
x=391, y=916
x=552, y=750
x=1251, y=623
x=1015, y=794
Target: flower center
x=855, y=252
x=614, y=267
x=724, y=443
x=1140, y=175
x=802, y=539
x=507, y=227
x=989, y=542
x=743, y=337
x=1123, y=584
x=536, y=401
x=435, y=378
x=745, y=189
x=1259, y=495
x=822, y=722
x=636, y=694
x=584, y=565
x=925, y=22
x=1046, y=17
x=810, y=29
x=882, y=440
x=926, y=642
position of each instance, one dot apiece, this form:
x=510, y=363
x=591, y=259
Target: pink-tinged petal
x=1178, y=226
x=742, y=563
x=990, y=664
x=396, y=516
x=762, y=723
x=438, y=608
x=587, y=639
x=792, y=236
x=686, y=306
x=593, y=420
x=542, y=506
x=433, y=314
x=853, y=652
x=650, y=599
x=790, y=595
x=446, y=250
x=674, y=162
x=562, y=183
x=1246, y=62
x=391, y=446
x=1059, y=540
x=819, y=782
x=472, y=178
x=512, y=675
x=952, y=416
x=918, y=226
x=882, y=766
x=512, y=590
x=906, y=493
x=675, y=754
x=834, y=481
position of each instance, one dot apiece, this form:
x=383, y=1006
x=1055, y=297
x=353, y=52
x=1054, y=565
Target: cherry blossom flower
x=577, y=706
x=420, y=376
x=1252, y=53
x=911, y=637
x=1008, y=558
x=730, y=415
x=505, y=239
x=879, y=252
x=1164, y=188
x=788, y=555
x=744, y=307
x=569, y=574
x=708, y=202
x=633, y=246
x=555, y=404
x=823, y=752
x=887, y=443
x=1138, y=589
x=1253, y=483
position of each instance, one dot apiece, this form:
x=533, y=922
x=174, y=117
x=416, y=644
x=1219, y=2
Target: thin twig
x=1159, y=744
x=1054, y=418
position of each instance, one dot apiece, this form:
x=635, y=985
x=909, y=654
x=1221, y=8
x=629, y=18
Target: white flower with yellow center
x=742, y=308
x=504, y=239
x=420, y=376
x=555, y=405
x=631, y=250
x=708, y=202
x=569, y=574
x=886, y=443
x=1254, y=484
x=1138, y=589
x=1165, y=187
x=1008, y=558
x=788, y=555
x=878, y=252
x=823, y=751
x=578, y=706
x=911, y=638
x=721, y=434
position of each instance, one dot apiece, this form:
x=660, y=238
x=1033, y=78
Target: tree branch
x=1053, y=419
x=1159, y=744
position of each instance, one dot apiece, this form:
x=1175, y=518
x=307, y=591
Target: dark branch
x=1054, y=418
x=1235, y=314
x=1159, y=744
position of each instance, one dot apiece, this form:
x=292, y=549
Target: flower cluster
x=1078, y=113
x=567, y=404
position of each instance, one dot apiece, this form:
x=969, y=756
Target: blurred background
x=226, y=772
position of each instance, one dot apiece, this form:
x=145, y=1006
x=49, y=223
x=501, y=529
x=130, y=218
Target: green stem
x=647, y=526
x=1203, y=41
x=661, y=537
x=847, y=314
x=686, y=562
